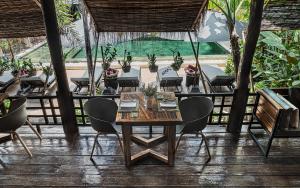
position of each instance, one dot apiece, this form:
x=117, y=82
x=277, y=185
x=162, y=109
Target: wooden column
x=241, y=93
x=88, y=49
x=64, y=95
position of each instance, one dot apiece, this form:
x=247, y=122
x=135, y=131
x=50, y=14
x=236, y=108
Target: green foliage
x=4, y=64
x=127, y=59
x=229, y=68
x=178, y=60
x=151, y=60
x=23, y=67
x=108, y=55
x=47, y=70
x=277, y=60
x=232, y=9
x=150, y=90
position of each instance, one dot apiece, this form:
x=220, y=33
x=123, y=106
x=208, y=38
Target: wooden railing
x=44, y=110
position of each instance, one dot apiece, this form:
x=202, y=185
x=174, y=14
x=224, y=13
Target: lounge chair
x=167, y=77
x=217, y=80
x=84, y=81
x=32, y=82
x=6, y=79
x=130, y=79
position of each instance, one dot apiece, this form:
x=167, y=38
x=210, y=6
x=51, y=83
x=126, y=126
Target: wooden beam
x=88, y=49
x=199, y=15
x=38, y=3
x=241, y=93
x=64, y=96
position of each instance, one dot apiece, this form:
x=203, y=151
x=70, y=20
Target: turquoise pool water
x=139, y=49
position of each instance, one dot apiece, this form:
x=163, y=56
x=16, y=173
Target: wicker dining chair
x=15, y=118
x=195, y=112
x=102, y=113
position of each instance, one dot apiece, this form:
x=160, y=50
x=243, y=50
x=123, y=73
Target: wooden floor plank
x=235, y=162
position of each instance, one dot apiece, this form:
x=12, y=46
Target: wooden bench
x=273, y=115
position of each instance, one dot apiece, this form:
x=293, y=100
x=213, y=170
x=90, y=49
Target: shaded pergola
x=281, y=15
x=25, y=18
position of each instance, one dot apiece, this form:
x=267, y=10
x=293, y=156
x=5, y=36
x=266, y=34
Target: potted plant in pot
x=192, y=75
x=16, y=67
x=110, y=75
x=178, y=61
x=149, y=92
x=48, y=71
x=125, y=63
x=152, y=62
x=28, y=68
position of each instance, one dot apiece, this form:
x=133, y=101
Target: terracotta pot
x=153, y=68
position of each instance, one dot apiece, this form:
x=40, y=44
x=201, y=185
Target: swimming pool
x=139, y=49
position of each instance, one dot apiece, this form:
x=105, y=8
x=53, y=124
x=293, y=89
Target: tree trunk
x=241, y=93
x=11, y=51
x=235, y=52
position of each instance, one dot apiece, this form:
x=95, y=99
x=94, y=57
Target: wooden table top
x=147, y=116
x=3, y=96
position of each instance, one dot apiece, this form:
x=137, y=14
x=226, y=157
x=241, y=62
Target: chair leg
x=33, y=129
x=206, y=146
x=177, y=144
x=120, y=142
x=95, y=141
x=23, y=144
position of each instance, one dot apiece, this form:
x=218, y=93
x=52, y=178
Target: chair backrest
x=16, y=116
x=102, y=113
x=195, y=112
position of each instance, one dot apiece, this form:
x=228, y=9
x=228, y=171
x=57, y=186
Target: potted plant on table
x=192, y=75
x=125, y=63
x=152, y=62
x=110, y=75
x=149, y=92
x=178, y=61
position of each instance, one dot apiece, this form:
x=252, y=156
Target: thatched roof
x=21, y=18
x=146, y=15
x=281, y=15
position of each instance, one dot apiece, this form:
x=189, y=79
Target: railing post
x=64, y=96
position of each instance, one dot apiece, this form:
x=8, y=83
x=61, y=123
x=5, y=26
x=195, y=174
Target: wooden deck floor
x=235, y=162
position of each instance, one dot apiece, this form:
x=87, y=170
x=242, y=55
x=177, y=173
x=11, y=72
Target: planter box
x=191, y=80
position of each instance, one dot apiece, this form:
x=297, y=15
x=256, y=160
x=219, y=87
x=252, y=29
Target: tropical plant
x=152, y=62
x=178, y=60
x=277, y=60
x=127, y=60
x=108, y=55
x=231, y=8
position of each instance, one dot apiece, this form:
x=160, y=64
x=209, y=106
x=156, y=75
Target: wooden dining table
x=145, y=116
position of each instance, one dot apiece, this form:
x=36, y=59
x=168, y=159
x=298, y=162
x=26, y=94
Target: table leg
x=126, y=131
x=171, y=131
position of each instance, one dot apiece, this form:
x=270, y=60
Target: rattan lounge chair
x=130, y=79
x=84, y=81
x=167, y=77
x=6, y=79
x=33, y=82
x=217, y=80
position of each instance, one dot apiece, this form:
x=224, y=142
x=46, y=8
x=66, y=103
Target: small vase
x=149, y=102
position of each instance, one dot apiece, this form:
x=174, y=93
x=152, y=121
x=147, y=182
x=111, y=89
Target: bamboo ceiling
x=21, y=18
x=146, y=15
x=281, y=15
